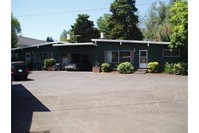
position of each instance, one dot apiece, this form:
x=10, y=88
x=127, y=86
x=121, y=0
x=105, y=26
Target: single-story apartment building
x=139, y=53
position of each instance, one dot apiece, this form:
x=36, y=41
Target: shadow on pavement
x=24, y=103
x=16, y=80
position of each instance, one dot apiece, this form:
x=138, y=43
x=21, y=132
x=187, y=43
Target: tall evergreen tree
x=102, y=24
x=83, y=29
x=123, y=22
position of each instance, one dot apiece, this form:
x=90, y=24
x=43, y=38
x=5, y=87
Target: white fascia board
x=43, y=44
x=75, y=44
x=130, y=41
x=37, y=45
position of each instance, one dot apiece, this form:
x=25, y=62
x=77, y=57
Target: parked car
x=73, y=65
x=78, y=66
x=19, y=70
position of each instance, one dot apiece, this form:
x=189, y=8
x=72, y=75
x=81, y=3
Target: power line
x=56, y=13
x=88, y=10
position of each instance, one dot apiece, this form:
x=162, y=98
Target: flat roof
x=37, y=45
x=76, y=44
x=130, y=41
x=93, y=43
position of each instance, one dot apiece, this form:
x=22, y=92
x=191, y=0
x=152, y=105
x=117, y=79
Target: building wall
x=96, y=54
x=155, y=52
x=57, y=52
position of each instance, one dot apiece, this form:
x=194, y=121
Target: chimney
x=101, y=35
x=68, y=38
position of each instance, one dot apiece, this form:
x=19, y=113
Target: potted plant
x=96, y=68
x=48, y=64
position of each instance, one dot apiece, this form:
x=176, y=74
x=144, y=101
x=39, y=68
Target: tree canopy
x=15, y=30
x=49, y=39
x=179, y=24
x=157, y=26
x=123, y=21
x=63, y=36
x=102, y=24
x=83, y=29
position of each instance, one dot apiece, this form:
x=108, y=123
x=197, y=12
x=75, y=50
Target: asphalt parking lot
x=86, y=102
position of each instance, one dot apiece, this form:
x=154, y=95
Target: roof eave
x=36, y=45
x=130, y=41
x=75, y=44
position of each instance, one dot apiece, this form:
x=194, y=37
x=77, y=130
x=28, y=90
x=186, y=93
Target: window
x=124, y=56
x=28, y=57
x=118, y=56
x=168, y=53
x=115, y=56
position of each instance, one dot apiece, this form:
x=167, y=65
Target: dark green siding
x=96, y=53
x=155, y=52
x=58, y=52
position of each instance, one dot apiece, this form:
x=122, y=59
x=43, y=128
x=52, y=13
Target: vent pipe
x=101, y=35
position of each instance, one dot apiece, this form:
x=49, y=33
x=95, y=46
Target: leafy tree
x=83, y=29
x=157, y=25
x=63, y=36
x=49, y=39
x=15, y=30
x=102, y=24
x=123, y=21
x=173, y=1
x=179, y=24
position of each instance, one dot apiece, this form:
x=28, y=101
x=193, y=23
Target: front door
x=143, y=58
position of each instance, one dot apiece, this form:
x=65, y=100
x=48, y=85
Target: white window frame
x=109, y=55
x=163, y=54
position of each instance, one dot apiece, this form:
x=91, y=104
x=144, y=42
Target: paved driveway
x=85, y=102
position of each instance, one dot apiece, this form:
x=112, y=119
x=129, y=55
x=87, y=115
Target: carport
x=75, y=52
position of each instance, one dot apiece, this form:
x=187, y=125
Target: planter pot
x=50, y=68
x=96, y=69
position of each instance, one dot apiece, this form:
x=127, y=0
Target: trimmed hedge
x=153, y=67
x=105, y=67
x=125, y=68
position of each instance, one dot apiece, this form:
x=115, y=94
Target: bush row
x=123, y=68
x=180, y=68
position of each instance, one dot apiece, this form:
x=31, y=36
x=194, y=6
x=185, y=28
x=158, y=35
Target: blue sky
x=42, y=18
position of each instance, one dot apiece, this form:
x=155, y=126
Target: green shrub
x=153, y=67
x=105, y=67
x=125, y=68
x=168, y=68
x=49, y=62
x=180, y=68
